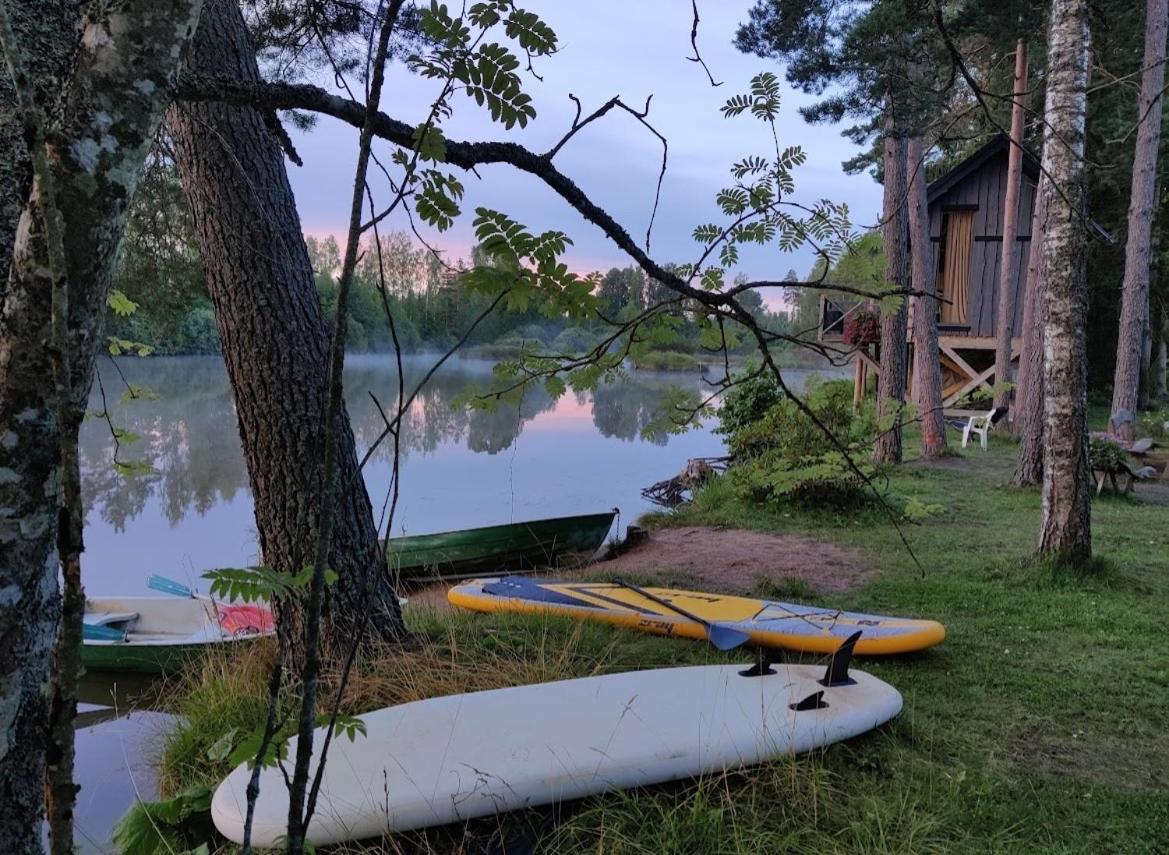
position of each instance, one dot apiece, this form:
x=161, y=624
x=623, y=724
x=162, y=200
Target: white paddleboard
x=458, y=757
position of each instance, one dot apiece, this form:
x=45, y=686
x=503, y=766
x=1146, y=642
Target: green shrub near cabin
x=787, y=454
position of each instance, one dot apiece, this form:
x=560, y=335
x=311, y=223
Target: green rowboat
x=493, y=549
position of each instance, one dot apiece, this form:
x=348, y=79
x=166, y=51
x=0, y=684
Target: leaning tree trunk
x=275, y=342
x=1134, y=306
x=1028, y=422
x=116, y=81
x=1066, y=531
x=1009, y=261
x=891, y=380
x=927, y=369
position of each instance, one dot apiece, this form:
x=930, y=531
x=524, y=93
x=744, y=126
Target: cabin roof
x=997, y=146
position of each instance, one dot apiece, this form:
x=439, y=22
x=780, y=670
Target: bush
x=1106, y=455
x=198, y=333
x=573, y=340
x=666, y=360
x=785, y=456
x=747, y=403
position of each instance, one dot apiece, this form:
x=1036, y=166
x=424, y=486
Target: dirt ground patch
x=733, y=560
x=726, y=560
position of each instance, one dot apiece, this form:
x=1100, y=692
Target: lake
x=581, y=453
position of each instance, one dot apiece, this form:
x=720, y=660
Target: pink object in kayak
x=245, y=619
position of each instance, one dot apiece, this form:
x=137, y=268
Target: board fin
x=837, y=672
x=761, y=668
x=814, y=701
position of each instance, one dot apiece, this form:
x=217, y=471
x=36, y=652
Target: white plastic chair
x=981, y=425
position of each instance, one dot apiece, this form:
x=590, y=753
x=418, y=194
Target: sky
x=634, y=49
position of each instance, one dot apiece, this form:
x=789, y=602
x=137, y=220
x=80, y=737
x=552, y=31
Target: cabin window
x=957, y=242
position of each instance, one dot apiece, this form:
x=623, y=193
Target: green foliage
x=120, y=304
x=180, y=824
x=785, y=456
x=1154, y=423
x=247, y=749
x=916, y=510
x=666, y=360
x=260, y=584
x=747, y=403
x=487, y=71
x=1106, y=455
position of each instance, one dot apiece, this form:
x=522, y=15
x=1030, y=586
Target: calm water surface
x=460, y=468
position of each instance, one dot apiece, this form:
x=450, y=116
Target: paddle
x=92, y=632
x=170, y=586
x=720, y=635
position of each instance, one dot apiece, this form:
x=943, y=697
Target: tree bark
x=116, y=81
x=927, y=369
x=1134, y=311
x=1009, y=264
x=1028, y=421
x=1066, y=532
x=275, y=342
x=1159, y=369
x=891, y=380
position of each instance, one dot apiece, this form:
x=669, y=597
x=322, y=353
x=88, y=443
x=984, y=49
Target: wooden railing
x=833, y=316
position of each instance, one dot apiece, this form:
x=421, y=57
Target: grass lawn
x=1041, y=724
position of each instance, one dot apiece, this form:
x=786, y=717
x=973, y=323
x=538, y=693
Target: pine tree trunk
x=891, y=380
x=1009, y=266
x=1134, y=311
x=1028, y=421
x=927, y=367
x=1159, y=363
x=275, y=342
x=122, y=67
x=1159, y=370
x=1066, y=531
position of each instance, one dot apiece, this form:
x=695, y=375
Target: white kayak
x=458, y=757
x=160, y=634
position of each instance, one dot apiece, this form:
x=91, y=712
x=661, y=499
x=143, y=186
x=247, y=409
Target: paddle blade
x=726, y=638
x=168, y=586
x=91, y=632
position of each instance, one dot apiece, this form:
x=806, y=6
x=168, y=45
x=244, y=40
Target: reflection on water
x=461, y=467
x=582, y=453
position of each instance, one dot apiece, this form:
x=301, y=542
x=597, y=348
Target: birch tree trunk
x=1066, y=531
x=275, y=342
x=116, y=80
x=927, y=368
x=891, y=380
x=1028, y=421
x=1134, y=306
x=1009, y=264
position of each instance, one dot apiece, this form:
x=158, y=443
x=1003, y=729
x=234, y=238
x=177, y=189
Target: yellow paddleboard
x=768, y=623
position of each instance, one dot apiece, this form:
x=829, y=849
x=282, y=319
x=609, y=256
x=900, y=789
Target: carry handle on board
x=721, y=636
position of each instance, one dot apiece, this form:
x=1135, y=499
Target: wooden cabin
x=966, y=239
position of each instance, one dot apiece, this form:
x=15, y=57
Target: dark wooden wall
x=985, y=188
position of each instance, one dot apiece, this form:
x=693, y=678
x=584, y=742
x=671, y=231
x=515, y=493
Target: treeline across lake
x=166, y=309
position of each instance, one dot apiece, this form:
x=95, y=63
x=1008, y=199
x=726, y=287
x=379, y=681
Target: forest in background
x=168, y=310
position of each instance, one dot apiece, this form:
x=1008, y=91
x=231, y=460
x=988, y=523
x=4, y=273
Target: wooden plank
x=962, y=364
x=869, y=361
x=974, y=383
